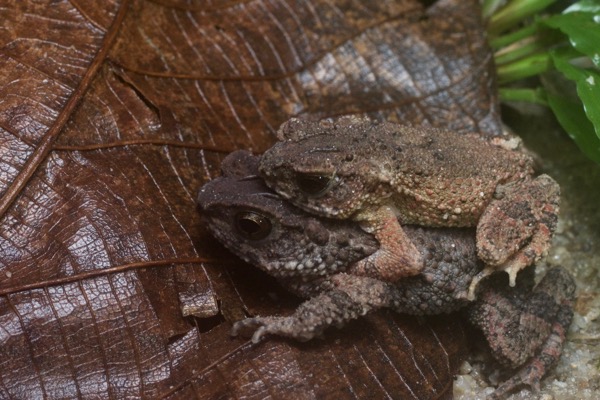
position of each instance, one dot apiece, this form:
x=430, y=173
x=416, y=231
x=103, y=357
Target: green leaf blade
x=592, y=6
x=588, y=86
x=582, y=30
x=579, y=117
x=572, y=118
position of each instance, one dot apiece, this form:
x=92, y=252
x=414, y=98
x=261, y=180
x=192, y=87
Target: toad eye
x=314, y=184
x=252, y=225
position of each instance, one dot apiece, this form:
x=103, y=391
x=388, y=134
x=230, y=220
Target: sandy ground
x=576, y=247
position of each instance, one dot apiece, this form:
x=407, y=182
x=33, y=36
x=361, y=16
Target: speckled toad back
x=379, y=173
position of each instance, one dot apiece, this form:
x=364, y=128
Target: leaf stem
x=511, y=54
x=513, y=37
x=532, y=65
x=514, y=12
x=489, y=7
x=536, y=96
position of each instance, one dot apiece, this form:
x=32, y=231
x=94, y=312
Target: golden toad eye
x=252, y=225
x=313, y=184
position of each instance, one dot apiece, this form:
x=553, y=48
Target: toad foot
x=516, y=228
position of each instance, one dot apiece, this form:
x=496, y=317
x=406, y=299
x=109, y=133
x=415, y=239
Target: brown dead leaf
x=114, y=113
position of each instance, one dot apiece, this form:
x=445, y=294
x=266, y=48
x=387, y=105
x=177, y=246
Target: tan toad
x=380, y=173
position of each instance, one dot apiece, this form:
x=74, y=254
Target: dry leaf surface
x=114, y=113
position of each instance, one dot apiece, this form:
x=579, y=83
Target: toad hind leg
x=397, y=256
x=532, y=372
x=525, y=327
x=515, y=230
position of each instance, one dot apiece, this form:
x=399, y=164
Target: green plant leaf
x=582, y=30
x=592, y=6
x=587, y=81
x=563, y=46
x=572, y=118
x=581, y=121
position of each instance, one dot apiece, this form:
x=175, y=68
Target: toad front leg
x=397, y=256
x=516, y=228
x=342, y=297
x=337, y=300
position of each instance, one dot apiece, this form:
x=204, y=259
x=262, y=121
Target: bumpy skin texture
x=524, y=326
x=524, y=320
x=383, y=175
x=298, y=245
